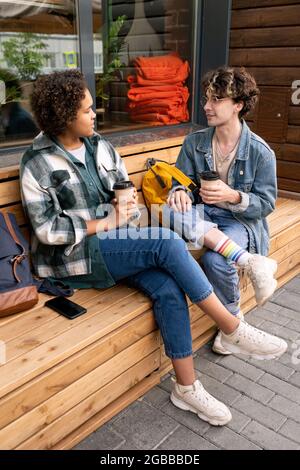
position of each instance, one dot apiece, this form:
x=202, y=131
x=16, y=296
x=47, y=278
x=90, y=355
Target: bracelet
x=180, y=189
x=241, y=197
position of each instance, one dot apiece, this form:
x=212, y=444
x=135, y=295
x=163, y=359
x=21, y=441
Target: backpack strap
x=177, y=174
x=151, y=162
x=12, y=230
x=181, y=178
x=53, y=286
x=18, y=258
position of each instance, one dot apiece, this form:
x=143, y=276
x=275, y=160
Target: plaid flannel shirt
x=57, y=202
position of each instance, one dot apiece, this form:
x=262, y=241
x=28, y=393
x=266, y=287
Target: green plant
x=13, y=91
x=113, y=46
x=26, y=53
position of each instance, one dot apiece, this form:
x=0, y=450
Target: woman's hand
x=179, y=201
x=220, y=192
x=122, y=213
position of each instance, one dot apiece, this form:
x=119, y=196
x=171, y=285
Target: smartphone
x=65, y=307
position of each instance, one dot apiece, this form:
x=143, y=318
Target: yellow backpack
x=157, y=182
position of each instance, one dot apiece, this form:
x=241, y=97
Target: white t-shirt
x=79, y=153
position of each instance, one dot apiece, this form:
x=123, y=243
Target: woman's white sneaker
x=261, y=271
x=196, y=399
x=218, y=347
x=249, y=341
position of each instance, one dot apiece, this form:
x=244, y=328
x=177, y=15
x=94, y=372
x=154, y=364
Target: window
x=98, y=62
x=50, y=62
x=143, y=51
x=147, y=48
x=35, y=37
x=70, y=60
x=148, y=57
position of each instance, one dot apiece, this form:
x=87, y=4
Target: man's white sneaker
x=218, y=347
x=196, y=399
x=250, y=341
x=261, y=271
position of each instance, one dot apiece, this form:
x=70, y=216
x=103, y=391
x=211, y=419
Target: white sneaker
x=218, y=347
x=250, y=341
x=261, y=271
x=196, y=399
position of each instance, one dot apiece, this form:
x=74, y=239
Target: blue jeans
x=159, y=264
x=221, y=272
x=190, y=225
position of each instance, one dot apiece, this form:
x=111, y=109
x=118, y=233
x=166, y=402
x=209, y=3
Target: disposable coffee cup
x=124, y=191
x=208, y=178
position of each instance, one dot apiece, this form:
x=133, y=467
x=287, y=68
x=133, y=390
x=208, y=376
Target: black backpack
x=18, y=290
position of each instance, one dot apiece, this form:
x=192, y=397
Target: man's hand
x=220, y=192
x=179, y=201
x=135, y=195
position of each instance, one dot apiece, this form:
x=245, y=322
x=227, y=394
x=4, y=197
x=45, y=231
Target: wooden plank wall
x=265, y=38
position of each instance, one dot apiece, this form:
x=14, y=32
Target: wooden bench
x=63, y=379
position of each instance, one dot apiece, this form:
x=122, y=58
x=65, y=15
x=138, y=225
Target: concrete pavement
x=263, y=396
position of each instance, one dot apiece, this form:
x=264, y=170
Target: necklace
x=220, y=157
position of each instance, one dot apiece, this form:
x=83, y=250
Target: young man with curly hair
x=239, y=201
x=66, y=175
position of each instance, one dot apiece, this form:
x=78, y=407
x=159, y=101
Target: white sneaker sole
x=209, y=419
x=270, y=292
x=221, y=351
x=235, y=349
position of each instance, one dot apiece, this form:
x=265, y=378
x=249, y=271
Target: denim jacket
x=252, y=173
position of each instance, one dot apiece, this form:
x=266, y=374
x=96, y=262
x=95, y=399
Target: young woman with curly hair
x=235, y=206
x=67, y=175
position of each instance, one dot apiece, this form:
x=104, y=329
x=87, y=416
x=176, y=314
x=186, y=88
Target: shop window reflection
x=127, y=34
x=36, y=37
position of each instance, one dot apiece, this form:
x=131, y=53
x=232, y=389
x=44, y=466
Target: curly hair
x=56, y=99
x=235, y=83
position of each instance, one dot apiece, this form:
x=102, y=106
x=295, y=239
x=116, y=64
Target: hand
x=220, y=192
x=122, y=213
x=133, y=198
x=179, y=201
x=135, y=195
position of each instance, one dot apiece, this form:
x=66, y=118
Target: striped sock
x=230, y=250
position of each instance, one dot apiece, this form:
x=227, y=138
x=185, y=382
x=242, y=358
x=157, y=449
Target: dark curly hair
x=56, y=99
x=235, y=83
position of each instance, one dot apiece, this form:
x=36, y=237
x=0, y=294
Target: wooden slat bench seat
x=62, y=379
